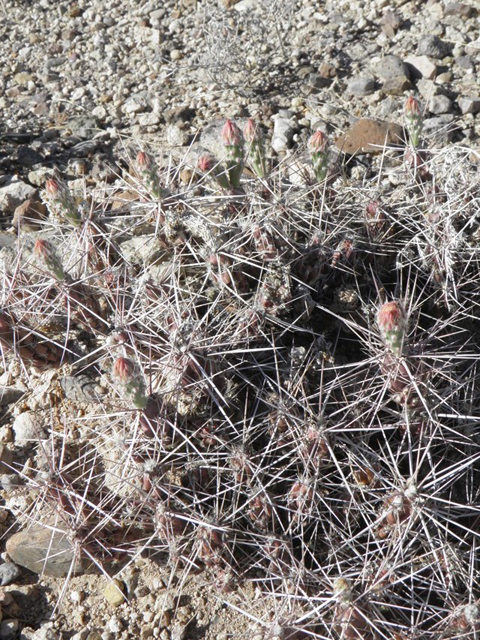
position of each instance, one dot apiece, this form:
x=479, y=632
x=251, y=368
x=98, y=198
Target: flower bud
x=127, y=374
x=318, y=146
x=392, y=323
x=414, y=120
x=46, y=253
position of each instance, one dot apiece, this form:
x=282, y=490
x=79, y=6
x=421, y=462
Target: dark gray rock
x=8, y=629
x=9, y=572
x=44, y=549
x=391, y=67
x=434, y=47
x=396, y=86
x=9, y=395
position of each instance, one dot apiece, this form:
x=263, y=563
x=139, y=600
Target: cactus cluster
x=292, y=381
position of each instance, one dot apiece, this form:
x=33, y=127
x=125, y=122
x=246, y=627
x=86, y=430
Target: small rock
x=317, y=81
x=228, y=4
x=8, y=629
x=6, y=458
x=84, y=127
x=9, y=395
x=114, y=593
x=391, y=67
x=327, y=70
x=26, y=428
x=421, y=67
x=44, y=549
x=176, y=136
x=149, y=119
x=283, y=132
x=9, y=572
x=115, y=625
x=458, y=9
x=27, y=215
x=361, y=86
x=396, y=86
x=439, y=104
x=15, y=194
x=369, y=136
x=434, y=47
x=466, y=62
x=176, y=54
x=469, y=105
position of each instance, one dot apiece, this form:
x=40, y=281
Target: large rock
x=45, y=549
x=370, y=136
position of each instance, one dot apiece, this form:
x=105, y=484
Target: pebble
x=283, y=132
x=9, y=395
x=434, y=47
x=6, y=458
x=9, y=572
x=115, y=625
x=26, y=428
x=396, y=86
x=14, y=194
x=390, y=67
x=8, y=629
x=439, y=104
x=469, y=105
x=114, y=593
x=421, y=66
x=361, y=86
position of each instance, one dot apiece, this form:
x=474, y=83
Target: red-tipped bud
x=143, y=161
x=412, y=107
x=52, y=188
x=318, y=142
x=252, y=132
x=45, y=252
x=123, y=369
x=392, y=324
x=206, y=163
x=231, y=134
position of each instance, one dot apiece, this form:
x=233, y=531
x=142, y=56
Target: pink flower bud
x=318, y=142
x=143, y=160
x=252, y=132
x=412, y=107
x=41, y=249
x=52, y=188
x=231, y=134
x=123, y=369
x=392, y=324
x=390, y=316
x=206, y=163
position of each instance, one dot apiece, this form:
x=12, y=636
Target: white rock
x=27, y=429
x=423, y=66
x=13, y=195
